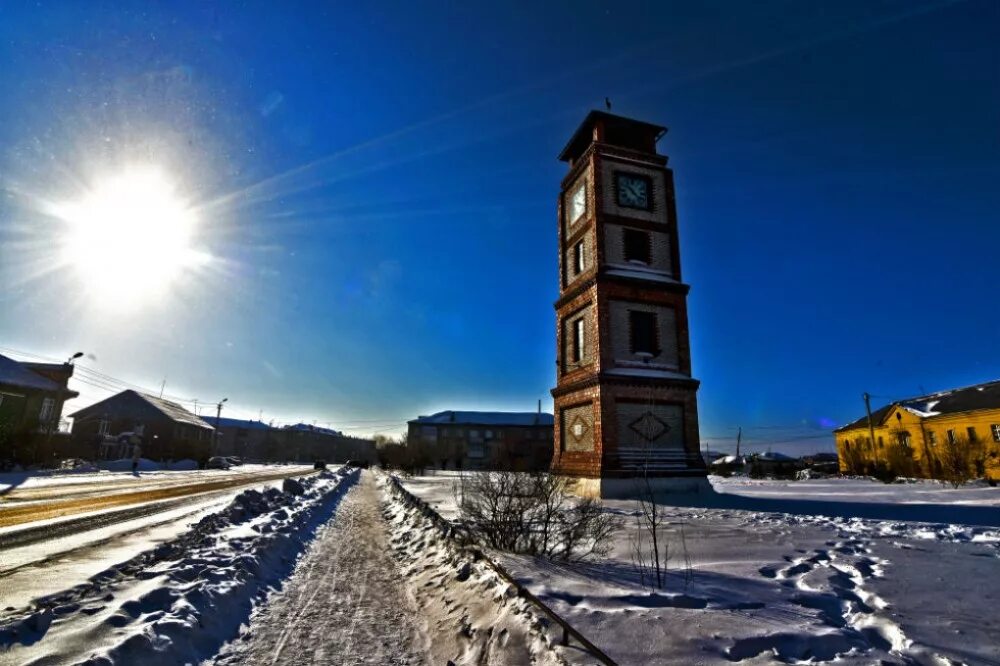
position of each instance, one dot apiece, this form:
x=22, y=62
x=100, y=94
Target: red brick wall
x=590, y=384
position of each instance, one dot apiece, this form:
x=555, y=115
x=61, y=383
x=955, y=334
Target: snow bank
x=180, y=601
x=479, y=617
x=146, y=465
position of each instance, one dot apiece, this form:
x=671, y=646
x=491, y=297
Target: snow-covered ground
x=823, y=570
x=179, y=599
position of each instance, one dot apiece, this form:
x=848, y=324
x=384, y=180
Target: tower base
x=630, y=488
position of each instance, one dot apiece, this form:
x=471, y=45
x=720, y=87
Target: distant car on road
x=235, y=461
x=319, y=464
x=217, y=462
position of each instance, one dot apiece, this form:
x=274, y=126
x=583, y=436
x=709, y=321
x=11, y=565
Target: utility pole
x=739, y=436
x=871, y=428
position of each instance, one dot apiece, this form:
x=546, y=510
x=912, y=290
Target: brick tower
x=625, y=403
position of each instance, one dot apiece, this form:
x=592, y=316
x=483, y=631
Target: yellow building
x=952, y=435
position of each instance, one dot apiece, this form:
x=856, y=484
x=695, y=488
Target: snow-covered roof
x=774, y=456
x=171, y=410
x=488, y=418
x=241, y=423
x=640, y=274
x=306, y=427
x=175, y=411
x=13, y=373
x=647, y=372
x=966, y=399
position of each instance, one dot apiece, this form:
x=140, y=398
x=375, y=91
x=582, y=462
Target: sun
x=130, y=235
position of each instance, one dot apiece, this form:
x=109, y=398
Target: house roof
x=877, y=417
x=306, y=427
x=175, y=411
x=774, y=456
x=487, y=418
x=171, y=410
x=13, y=373
x=954, y=401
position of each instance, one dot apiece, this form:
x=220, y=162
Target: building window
x=996, y=432
x=48, y=406
x=904, y=439
x=579, y=258
x=642, y=332
x=880, y=441
x=951, y=436
x=637, y=246
x=932, y=438
x=578, y=203
x=579, y=340
x=973, y=437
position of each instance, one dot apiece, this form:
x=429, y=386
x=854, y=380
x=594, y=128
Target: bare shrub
x=960, y=459
x=899, y=458
x=653, y=543
x=533, y=513
x=853, y=460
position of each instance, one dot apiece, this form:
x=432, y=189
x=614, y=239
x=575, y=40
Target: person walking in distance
x=136, y=455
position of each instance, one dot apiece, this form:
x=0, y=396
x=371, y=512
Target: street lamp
x=72, y=358
x=218, y=415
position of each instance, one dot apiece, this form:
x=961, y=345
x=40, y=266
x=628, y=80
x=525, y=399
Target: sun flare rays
x=130, y=235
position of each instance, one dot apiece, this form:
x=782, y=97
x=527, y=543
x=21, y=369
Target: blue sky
x=376, y=187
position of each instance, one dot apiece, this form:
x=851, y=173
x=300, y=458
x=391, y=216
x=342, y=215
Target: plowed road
x=46, y=502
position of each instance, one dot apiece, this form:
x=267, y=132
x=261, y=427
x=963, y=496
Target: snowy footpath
x=347, y=602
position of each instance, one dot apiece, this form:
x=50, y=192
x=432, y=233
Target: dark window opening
x=643, y=332
x=579, y=261
x=637, y=246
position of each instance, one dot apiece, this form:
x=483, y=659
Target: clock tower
x=625, y=406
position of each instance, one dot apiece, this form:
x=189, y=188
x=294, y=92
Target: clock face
x=633, y=191
x=578, y=203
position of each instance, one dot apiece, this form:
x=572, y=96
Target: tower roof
x=616, y=130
